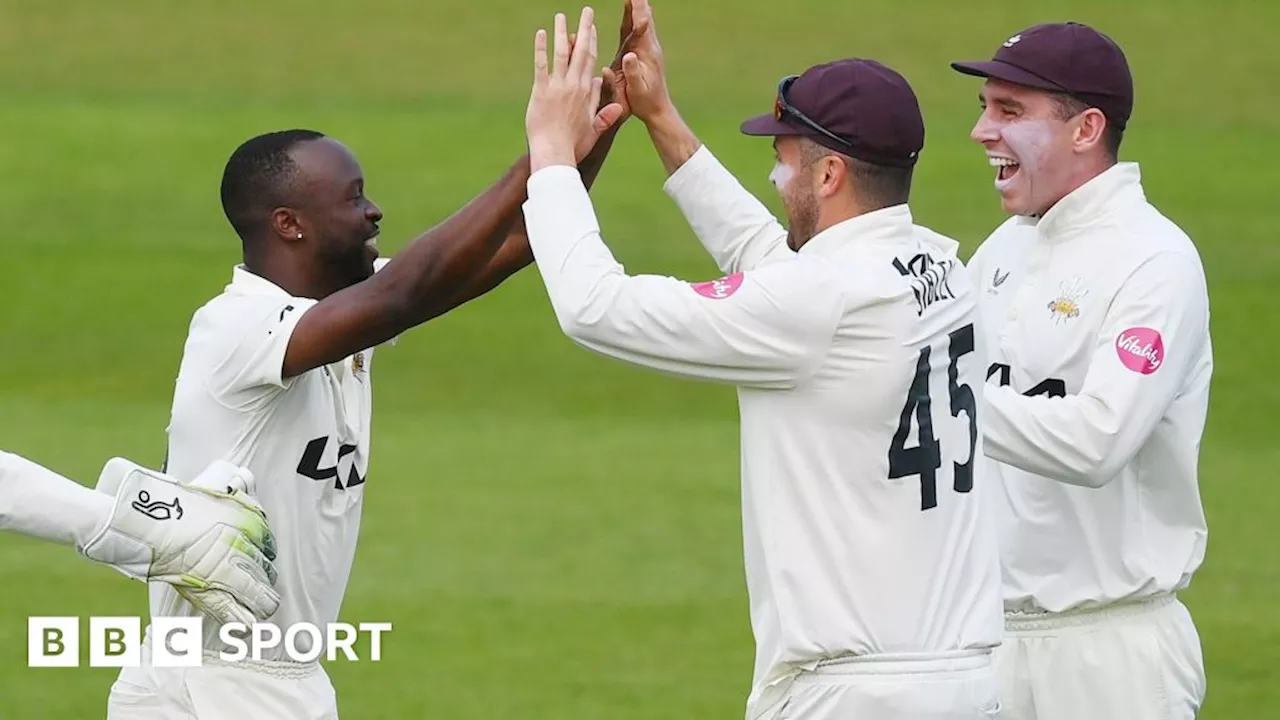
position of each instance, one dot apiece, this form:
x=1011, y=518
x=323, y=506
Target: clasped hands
x=571, y=106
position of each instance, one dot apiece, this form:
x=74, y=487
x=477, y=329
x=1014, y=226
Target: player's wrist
x=673, y=139
x=128, y=555
x=549, y=150
x=662, y=116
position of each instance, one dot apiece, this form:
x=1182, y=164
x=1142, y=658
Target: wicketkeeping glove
x=209, y=539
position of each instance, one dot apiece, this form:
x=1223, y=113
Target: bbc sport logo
x=177, y=641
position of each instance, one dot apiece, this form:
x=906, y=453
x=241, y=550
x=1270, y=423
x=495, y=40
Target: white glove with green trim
x=209, y=538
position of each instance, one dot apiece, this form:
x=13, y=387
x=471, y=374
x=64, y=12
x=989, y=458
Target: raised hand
x=643, y=67
x=562, y=121
x=615, y=86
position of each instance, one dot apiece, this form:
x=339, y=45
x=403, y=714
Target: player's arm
x=208, y=538
x=735, y=227
x=422, y=281
x=42, y=504
x=465, y=256
x=766, y=328
x=1155, y=330
x=515, y=254
x=450, y=264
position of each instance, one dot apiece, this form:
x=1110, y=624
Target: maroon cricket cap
x=1070, y=58
x=857, y=107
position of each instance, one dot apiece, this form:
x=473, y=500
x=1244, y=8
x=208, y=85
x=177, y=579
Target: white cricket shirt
x=305, y=438
x=1098, y=335
x=861, y=532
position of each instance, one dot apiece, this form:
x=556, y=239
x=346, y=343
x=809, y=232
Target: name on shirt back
x=929, y=279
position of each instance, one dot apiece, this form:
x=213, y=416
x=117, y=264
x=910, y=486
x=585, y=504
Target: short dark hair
x=877, y=186
x=258, y=178
x=1067, y=106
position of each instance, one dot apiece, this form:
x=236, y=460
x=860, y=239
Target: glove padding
x=209, y=538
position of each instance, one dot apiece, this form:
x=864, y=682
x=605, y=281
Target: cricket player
x=1098, y=337
x=276, y=375
x=852, y=339
x=208, y=539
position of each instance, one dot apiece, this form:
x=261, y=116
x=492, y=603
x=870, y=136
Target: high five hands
x=571, y=107
x=564, y=118
x=644, y=76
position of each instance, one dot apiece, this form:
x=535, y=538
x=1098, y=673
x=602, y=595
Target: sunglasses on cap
x=782, y=108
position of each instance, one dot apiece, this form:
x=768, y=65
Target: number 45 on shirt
x=925, y=458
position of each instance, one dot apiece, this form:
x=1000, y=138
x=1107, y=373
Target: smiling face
x=336, y=219
x=1042, y=145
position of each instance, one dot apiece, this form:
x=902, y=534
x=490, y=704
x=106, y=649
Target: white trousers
x=955, y=686
x=1132, y=662
x=222, y=691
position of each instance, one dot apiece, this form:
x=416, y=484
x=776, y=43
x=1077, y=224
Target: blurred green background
x=553, y=535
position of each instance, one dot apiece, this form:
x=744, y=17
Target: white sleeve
x=765, y=328
x=735, y=227
x=1155, y=330
x=249, y=346
x=42, y=504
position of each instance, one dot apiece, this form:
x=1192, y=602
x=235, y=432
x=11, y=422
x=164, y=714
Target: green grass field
x=553, y=535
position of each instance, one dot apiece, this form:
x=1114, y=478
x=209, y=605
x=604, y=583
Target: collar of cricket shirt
x=1116, y=188
x=246, y=282
x=891, y=223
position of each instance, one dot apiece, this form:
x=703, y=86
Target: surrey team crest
x=1067, y=305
